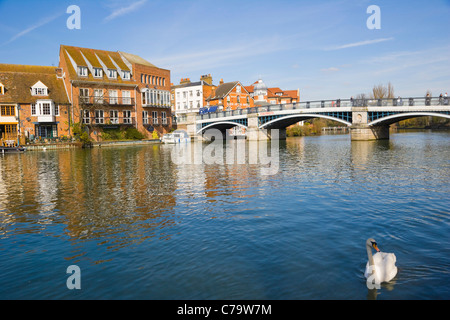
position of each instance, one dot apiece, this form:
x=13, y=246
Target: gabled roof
x=224, y=89
x=18, y=80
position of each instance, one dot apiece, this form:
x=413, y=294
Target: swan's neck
x=369, y=254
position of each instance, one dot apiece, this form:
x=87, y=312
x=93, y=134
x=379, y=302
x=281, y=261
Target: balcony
x=106, y=122
x=46, y=119
x=106, y=101
x=157, y=105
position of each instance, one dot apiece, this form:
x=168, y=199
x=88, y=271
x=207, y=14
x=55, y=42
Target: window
x=198, y=93
x=47, y=131
x=238, y=99
x=164, y=117
x=114, y=116
x=127, y=116
x=10, y=132
x=191, y=104
x=86, y=117
x=238, y=89
x=184, y=94
x=113, y=97
x=126, y=97
x=145, y=117
x=83, y=71
x=112, y=74
x=39, y=91
x=228, y=99
x=8, y=111
x=145, y=98
x=45, y=109
x=98, y=73
x=56, y=110
x=33, y=109
x=155, y=117
x=126, y=75
x=98, y=96
x=178, y=106
x=2, y=89
x=84, y=95
x=99, y=118
x=248, y=100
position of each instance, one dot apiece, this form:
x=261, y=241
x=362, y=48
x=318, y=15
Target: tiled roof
x=224, y=89
x=134, y=59
x=97, y=58
x=18, y=80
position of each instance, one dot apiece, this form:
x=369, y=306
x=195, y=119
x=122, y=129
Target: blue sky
x=323, y=48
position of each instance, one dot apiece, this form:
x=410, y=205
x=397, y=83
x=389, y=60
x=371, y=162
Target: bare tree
x=383, y=92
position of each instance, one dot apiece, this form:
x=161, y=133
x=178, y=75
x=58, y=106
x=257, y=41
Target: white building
x=191, y=96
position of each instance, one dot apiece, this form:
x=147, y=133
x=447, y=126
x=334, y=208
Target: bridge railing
x=391, y=102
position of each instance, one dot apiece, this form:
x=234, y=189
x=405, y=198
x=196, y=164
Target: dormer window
x=126, y=75
x=2, y=89
x=83, y=71
x=112, y=74
x=39, y=89
x=98, y=72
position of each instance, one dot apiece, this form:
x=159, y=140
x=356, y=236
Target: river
x=140, y=226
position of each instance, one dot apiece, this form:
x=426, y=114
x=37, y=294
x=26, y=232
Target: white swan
x=381, y=266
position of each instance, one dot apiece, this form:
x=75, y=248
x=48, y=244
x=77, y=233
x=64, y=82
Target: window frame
x=82, y=71
x=100, y=74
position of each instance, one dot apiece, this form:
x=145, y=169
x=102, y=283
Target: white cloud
x=33, y=27
x=359, y=44
x=124, y=10
x=331, y=69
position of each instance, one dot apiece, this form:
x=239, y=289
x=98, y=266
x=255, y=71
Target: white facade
x=188, y=98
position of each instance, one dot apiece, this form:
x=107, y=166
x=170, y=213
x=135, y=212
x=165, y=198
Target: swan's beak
x=375, y=247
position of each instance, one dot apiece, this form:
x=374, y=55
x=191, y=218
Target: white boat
x=178, y=136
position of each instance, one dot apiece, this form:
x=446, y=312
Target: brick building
x=265, y=95
x=231, y=96
x=153, y=102
x=116, y=90
x=33, y=103
x=100, y=87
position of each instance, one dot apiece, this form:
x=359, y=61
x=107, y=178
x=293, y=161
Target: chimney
x=185, y=80
x=221, y=81
x=59, y=72
x=207, y=78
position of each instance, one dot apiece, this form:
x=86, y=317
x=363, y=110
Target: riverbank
x=73, y=145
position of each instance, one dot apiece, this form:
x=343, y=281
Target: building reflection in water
x=117, y=196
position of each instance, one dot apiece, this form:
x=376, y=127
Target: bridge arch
x=222, y=125
x=284, y=122
x=388, y=120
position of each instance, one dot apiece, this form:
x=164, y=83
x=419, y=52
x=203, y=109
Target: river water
x=141, y=226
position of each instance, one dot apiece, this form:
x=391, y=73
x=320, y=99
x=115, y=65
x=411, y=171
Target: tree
x=383, y=92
